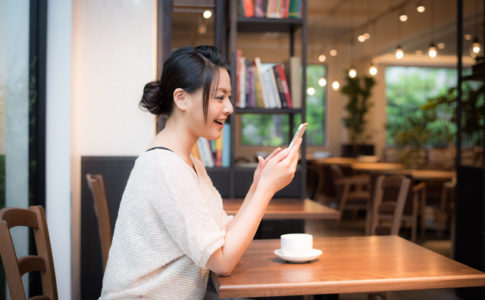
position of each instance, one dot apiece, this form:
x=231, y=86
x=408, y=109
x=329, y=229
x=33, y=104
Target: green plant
x=357, y=107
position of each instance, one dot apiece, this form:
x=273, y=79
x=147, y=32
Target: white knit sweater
x=169, y=223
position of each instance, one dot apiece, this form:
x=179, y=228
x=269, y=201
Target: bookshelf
x=229, y=24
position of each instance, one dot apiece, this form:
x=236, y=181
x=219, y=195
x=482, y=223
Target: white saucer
x=310, y=255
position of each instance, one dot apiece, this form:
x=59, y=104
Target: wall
x=113, y=56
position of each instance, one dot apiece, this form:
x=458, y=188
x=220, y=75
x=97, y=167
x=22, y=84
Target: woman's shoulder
x=162, y=160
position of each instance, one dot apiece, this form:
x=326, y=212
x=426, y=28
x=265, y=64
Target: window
x=407, y=90
x=272, y=130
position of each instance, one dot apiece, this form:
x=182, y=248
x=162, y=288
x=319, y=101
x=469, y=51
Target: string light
x=399, y=52
x=207, y=14
x=476, y=46
x=420, y=8
x=432, y=51
x=322, y=82
x=322, y=58
x=403, y=17
x=352, y=72
x=310, y=91
x=335, y=85
x=333, y=52
x=372, y=69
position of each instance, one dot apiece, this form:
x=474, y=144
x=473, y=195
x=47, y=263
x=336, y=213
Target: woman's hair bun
x=150, y=100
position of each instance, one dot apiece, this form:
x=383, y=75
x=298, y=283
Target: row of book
x=268, y=85
x=270, y=8
x=214, y=153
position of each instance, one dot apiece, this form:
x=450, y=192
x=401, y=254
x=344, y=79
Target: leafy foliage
x=357, y=107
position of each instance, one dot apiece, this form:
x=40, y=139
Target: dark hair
x=187, y=68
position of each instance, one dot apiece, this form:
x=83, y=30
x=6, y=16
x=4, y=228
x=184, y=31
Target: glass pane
x=413, y=116
x=14, y=114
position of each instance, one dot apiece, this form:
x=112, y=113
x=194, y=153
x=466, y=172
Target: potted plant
x=358, y=91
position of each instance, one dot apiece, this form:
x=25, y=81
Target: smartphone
x=299, y=133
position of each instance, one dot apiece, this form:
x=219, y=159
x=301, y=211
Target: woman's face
x=219, y=107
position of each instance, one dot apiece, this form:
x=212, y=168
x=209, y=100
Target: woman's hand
x=279, y=169
x=261, y=163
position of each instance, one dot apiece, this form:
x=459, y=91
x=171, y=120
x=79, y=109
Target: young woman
x=171, y=228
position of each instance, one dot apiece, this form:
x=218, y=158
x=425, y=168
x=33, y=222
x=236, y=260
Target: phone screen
x=299, y=133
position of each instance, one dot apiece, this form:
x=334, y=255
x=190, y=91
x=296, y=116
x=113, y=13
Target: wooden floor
x=350, y=226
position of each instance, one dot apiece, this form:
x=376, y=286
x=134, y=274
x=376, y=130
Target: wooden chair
x=42, y=262
x=98, y=190
x=389, y=198
x=352, y=191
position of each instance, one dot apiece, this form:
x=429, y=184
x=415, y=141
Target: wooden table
x=425, y=175
x=347, y=265
x=375, y=166
x=287, y=209
x=341, y=161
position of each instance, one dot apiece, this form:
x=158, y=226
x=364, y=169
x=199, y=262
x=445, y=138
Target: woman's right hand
x=280, y=169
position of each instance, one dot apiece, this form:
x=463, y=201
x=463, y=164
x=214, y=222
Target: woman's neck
x=175, y=138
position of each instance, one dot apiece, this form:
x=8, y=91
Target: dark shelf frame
x=235, y=24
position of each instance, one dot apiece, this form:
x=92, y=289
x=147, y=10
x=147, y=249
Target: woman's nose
x=228, y=109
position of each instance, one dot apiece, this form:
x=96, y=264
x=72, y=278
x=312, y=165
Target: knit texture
x=170, y=222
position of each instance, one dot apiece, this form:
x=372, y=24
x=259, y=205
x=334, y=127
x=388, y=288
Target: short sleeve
x=184, y=210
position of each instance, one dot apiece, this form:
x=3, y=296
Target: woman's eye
x=220, y=97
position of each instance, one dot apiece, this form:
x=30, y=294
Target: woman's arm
x=276, y=172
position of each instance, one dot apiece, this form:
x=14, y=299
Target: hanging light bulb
x=207, y=14
x=333, y=52
x=476, y=46
x=352, y=72
x=310, y=91
x=366, y=35
x=403, y=17
x=399, y=52
x=322, y=82
x=322, y=58
x=372, y=69
x=361, y=38
x=335, y=85
x=432, y=51
x=420, y=8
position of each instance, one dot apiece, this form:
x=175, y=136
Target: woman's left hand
x=261, y=163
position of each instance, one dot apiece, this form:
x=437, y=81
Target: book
x=292, y=68
x=248, y=7
x=263, y=83
x=258, y=91
x=294, y=9
x=259, y=8
x=274, y=89
x=281, y=89
x=284, y=84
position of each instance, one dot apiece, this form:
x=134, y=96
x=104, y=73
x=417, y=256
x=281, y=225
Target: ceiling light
x=335, y=85
x=207, y=14
x=468, y=36
x=310, y=91
x=366, y=35
x=322, y=82
x=420, y=8
x=352, y=72
x=361, y=38
x=441, y=45
x=322, y=58
x=403, y=17
x=399, y=52
x=333, y=52
x=476, y=46
x=432, y=51
x=372, y=69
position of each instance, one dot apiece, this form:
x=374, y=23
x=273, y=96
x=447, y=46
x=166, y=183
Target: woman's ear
x=180, y=98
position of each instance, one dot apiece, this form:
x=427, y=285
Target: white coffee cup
x=296, y=243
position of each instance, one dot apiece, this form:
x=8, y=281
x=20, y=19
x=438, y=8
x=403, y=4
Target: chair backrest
x=42, y=262
x=389, y=198
x=97, y=187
